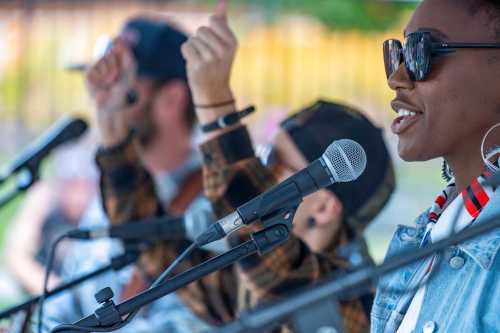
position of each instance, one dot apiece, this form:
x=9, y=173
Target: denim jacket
x=463, y=294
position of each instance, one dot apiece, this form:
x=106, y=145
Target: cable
x=48, y=269
x=164, y=276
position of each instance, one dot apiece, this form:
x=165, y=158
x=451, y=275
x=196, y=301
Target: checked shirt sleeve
x=128, y=194
x=127, y=189
x=232, y=176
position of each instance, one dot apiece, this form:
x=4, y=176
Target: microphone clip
x=283, y=216
x=276, y=230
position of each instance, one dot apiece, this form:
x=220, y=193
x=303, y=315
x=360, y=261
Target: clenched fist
x=109, y=81
x=209, y=55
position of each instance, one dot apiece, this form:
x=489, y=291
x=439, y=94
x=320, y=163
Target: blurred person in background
x=51, y=208
x=325, y=220
x=233, y=174
x=145, y=121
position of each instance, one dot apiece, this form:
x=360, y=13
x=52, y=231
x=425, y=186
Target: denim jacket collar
x=484, y=249
x=389, y=307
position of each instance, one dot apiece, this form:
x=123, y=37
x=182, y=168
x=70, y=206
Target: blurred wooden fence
x=285, y=65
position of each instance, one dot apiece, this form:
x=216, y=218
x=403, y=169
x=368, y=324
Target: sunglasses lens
x=392, y=56
x=417, y=54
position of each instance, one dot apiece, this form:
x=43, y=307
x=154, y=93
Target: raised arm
x=233, y=174
x=127, y=188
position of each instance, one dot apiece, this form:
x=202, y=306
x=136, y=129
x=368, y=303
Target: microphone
x=343, y=161
x=64, y=130
x=152, y=229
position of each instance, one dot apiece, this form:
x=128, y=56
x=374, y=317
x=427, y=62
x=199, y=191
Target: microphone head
x=345, y=159
x=69, y=128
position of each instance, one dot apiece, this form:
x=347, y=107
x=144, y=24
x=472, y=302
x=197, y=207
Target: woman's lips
x=405, y=120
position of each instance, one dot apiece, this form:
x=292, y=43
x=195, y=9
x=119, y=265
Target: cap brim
x=76, y=67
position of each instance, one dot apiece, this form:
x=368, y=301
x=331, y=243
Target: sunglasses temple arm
x=466, y=46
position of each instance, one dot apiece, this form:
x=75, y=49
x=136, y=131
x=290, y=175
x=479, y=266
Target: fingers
x=113, y=69
x=104, y=71
x=221, y=9
x=124, y=52
x=218, y=22
x=210, y=38
x=117, y=65
x=210, y=43
x=214, y=42
x=209, y=56
x=221, y=28
x=190, y=53
x=203, y=49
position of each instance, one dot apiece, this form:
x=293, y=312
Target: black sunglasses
x=418, y=51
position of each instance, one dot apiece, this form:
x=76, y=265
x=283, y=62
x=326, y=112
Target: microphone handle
x=158, y=228
x=286, y=194
x=283, y=196
x=152, y=229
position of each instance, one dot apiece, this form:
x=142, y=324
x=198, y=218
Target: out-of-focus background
x=291, y=53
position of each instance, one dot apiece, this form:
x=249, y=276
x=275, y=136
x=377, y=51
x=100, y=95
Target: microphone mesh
x=345, y=159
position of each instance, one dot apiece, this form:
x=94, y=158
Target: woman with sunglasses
x=446, y=77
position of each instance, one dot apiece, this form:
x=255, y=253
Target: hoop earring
x=495, y=150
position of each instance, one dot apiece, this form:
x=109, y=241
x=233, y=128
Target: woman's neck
x=466, y=168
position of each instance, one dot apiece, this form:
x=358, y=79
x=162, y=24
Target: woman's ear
x=328, y=208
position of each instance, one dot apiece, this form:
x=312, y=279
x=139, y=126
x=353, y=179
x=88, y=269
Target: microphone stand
x=116, y=264
x=108, y=316
x=348, y=285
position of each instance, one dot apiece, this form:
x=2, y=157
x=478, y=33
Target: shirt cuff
x=228, y=148
x=120, y=164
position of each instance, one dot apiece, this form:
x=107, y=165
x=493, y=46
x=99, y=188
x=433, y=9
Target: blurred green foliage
x=363, y=15
x=8, y=211
x=6, y=215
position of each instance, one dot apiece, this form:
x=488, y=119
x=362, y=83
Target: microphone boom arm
x=116, y=264
x=351, y=285
x=109, y=316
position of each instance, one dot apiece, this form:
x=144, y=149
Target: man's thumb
x=221, y=9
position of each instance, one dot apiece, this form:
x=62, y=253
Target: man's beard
x=144, y=126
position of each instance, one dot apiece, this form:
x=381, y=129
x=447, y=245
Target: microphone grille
x=345, y=159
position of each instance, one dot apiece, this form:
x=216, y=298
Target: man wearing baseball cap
x=145, y=118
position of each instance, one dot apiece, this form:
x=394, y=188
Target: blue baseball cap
x=156, y=46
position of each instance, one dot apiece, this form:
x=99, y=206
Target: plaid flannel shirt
x=128, y=194
x=228, y=183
